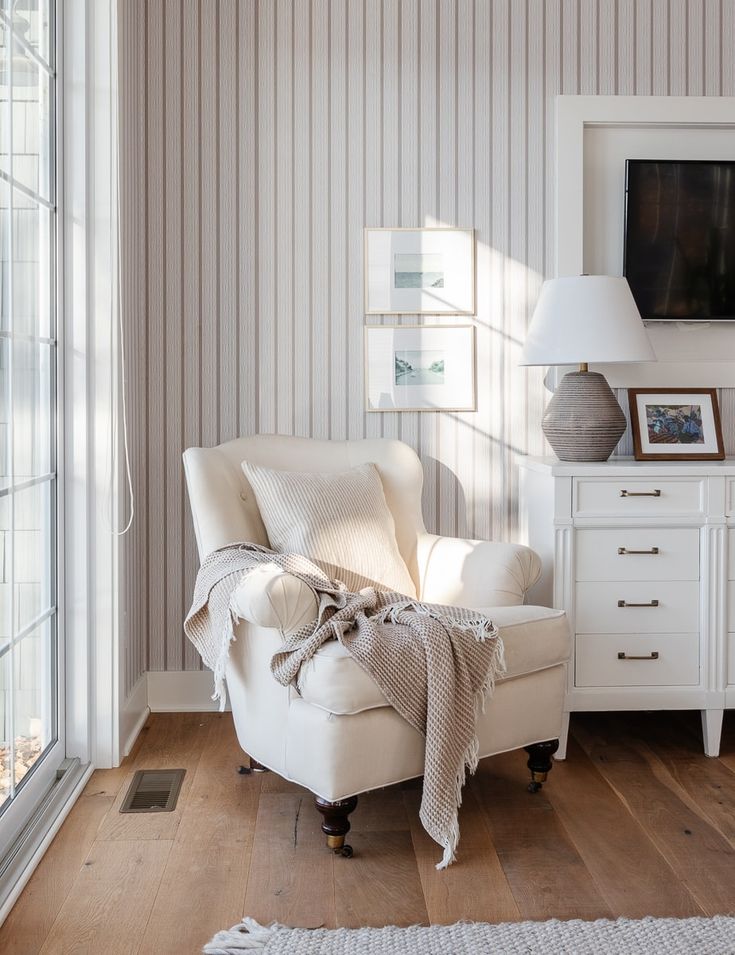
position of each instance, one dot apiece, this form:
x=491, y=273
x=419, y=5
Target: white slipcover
x=338, y=737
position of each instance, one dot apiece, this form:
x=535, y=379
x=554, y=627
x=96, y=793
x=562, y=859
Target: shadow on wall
x=451, y=487
x=471, y=454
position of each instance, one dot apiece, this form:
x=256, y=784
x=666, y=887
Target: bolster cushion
x=269, y=597
x=469, y=573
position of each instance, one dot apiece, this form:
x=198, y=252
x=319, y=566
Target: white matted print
x=420, y=271
x=420, y=367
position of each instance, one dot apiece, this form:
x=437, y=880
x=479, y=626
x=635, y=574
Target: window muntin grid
x=28, y=612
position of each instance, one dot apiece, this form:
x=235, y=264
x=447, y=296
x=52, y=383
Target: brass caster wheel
x=534, y=787
x=345, y=851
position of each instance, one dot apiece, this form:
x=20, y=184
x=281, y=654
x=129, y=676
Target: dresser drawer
x=599, y=608
x=598, y=662
x=731, y=659
x=638, y=497
x=637, y=553
x=731, y=605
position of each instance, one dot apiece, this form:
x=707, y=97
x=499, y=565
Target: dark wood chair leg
x=335, y=824
x=253, y=767
x=540, y=763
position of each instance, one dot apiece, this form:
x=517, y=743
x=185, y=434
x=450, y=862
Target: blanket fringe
x=470, y=761
x=248, y=936
x=481, y=628
x=220, y=667
x=471, y=757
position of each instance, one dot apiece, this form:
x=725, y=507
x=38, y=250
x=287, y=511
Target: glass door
x=31, y=731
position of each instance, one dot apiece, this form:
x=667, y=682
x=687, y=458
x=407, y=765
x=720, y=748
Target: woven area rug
x=649, y=936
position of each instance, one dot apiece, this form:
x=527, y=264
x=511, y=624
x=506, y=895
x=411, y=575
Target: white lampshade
x=586, y=318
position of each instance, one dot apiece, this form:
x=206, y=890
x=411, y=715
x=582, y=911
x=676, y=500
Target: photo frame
x=676, y=424
x=420, y=368
x=420, y=271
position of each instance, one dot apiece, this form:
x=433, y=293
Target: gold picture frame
x=397, y=379
x=455, y=247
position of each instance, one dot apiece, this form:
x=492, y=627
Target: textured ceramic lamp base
x=583, y=420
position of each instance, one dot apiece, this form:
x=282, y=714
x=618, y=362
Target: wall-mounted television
x=679, y=255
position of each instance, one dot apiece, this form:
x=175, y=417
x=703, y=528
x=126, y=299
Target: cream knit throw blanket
x=434, y=664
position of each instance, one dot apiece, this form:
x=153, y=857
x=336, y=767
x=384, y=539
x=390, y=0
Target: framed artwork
x=420, y=367
x=673, y=424
x=420, y=271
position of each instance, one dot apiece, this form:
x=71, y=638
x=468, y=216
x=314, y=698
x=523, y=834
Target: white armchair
x=337, y=735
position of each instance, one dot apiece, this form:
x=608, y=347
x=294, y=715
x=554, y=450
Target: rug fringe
x=248, y=936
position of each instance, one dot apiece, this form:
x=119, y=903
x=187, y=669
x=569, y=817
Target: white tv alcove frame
x=687, y=355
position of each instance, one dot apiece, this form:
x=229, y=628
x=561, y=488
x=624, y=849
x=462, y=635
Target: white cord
x=126, y=447
x=116, y=288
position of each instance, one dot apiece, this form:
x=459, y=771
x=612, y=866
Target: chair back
x=223, y=504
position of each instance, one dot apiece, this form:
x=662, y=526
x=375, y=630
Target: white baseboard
x=134, y=714
x=181, y=691
x=173, y=691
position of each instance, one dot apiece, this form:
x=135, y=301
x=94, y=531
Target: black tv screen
x=679, y=254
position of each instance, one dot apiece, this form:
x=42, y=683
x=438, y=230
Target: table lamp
x=577, y=320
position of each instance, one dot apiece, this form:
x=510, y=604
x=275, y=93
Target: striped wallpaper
x=259, y=138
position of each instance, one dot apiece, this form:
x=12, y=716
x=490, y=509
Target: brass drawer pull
x=651, y=656
x=651, y=603
x=656, y=493
x=624, y=550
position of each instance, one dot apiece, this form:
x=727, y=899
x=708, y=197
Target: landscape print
x=418, y=270
x=674, y=424
x=419, y=367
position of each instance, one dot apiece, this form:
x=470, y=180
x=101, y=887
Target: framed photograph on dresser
x=674, y=424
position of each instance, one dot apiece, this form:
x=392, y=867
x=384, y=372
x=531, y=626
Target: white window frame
x=89, y=486
x=88, y=153
x=43, y=774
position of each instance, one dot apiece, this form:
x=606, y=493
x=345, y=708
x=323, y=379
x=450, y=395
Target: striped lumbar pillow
x=340, y=520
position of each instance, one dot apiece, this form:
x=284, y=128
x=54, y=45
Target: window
x=29, y=652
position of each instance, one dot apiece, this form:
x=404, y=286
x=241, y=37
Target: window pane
x=5, y=236
x=33, y=547
x=5, y=476
x=32, y=285
x=32, y=409
x=31, y=133
x=28, y=660
x=31, y=22
x=6, y=627
x=5, y=728
x=34, y=702
x=4, y=100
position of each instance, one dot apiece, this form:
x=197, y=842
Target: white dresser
x=642, y=558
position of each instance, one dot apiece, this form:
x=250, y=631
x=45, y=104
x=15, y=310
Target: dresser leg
x=712, y=731
x=539, y=762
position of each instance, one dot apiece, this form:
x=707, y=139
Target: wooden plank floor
x=636, y=822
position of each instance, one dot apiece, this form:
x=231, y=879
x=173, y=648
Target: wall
x=260, y=138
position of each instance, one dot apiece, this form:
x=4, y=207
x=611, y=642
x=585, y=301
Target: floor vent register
x=153, y=790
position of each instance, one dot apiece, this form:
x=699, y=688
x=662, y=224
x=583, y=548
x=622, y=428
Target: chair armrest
x=269, y=597
x=469, y=573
